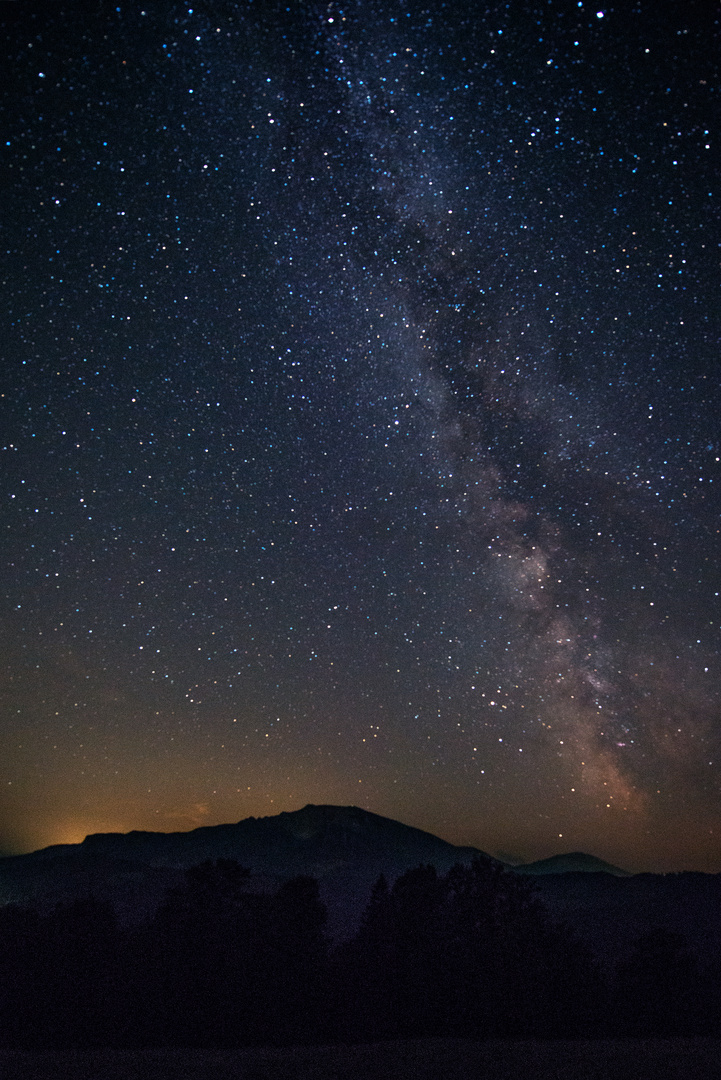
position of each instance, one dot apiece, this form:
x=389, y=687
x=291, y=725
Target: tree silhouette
x=470, y=953
x=364, y=972
x=295, y=966
x=220, y=965
x=59, y=974
x=20, y=967
x=658, y=987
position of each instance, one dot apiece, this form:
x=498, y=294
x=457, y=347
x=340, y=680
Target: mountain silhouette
x=573, y=862
x=346, y=849
x=314, y=840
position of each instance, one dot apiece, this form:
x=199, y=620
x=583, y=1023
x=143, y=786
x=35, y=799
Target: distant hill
x=574, y=862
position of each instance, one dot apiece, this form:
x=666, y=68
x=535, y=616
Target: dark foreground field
x=449, y=1059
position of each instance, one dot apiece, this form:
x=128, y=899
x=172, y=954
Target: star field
x=359, y=434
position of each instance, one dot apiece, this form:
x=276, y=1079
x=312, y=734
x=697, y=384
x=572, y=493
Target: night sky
x=360, y=421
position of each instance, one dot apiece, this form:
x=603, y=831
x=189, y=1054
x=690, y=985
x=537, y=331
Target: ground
x=450, y=1059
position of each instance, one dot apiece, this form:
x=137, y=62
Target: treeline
x=470, y=953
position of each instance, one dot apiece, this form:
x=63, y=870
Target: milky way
x=360, y=421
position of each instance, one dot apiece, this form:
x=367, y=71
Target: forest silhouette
x=469, y=953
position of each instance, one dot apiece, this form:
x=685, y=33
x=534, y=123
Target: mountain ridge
x=313, y=822
x=346, y=849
